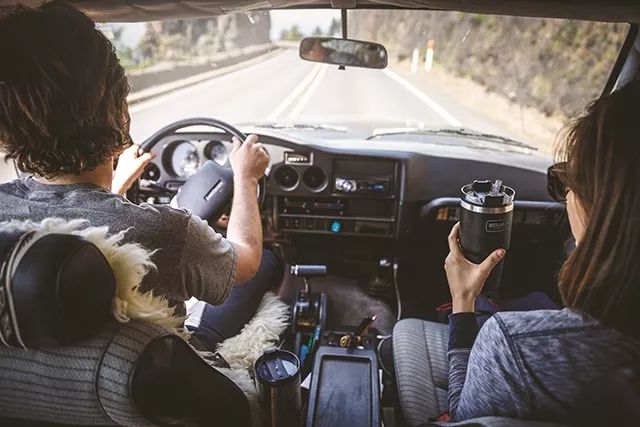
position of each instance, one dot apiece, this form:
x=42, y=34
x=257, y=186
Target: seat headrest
x=55, y=289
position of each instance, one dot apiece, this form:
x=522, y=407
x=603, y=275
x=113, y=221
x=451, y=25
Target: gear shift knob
x=309, y=271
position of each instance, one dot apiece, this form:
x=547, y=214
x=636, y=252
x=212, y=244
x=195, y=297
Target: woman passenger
x=538, y=364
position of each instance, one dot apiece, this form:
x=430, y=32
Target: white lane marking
x=439, y=110
x=294, y=94
x=304, y=99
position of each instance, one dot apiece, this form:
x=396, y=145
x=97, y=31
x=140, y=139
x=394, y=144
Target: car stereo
x=369, y=185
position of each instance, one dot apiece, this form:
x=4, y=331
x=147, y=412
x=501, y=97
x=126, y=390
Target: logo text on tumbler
x=494, y=226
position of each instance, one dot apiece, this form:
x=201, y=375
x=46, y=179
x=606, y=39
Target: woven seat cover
x=422, y=369
x=86, y=384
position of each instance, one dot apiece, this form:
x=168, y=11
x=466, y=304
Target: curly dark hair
x=63, y=107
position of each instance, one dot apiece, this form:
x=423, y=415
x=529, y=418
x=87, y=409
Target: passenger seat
x=422, y=370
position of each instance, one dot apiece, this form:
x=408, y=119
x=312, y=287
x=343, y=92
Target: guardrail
x=163, y=78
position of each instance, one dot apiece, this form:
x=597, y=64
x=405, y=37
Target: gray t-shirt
x=192, y=260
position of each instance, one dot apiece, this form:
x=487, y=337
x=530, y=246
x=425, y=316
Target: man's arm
x=249, y=162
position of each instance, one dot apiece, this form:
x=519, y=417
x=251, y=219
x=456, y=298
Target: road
x=286, y=88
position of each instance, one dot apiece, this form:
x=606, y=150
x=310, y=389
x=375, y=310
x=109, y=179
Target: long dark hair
x=602, y=151
x=63, y=106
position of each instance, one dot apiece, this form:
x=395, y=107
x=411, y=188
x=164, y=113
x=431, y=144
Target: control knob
x=346, y=185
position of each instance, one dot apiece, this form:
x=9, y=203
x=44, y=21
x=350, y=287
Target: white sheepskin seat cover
x=131, y=261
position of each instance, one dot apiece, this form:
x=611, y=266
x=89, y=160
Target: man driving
x=64, y=120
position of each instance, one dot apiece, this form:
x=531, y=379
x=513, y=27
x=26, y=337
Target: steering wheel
x=209, y=190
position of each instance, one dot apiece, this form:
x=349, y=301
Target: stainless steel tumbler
x=277, y=375
x=486, y=218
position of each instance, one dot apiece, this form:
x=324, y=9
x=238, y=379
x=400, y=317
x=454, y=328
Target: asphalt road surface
x=284, y=88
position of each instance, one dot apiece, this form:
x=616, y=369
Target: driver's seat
x=132, y=374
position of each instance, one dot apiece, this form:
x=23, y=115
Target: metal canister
x=486, y=218
x=277, y=375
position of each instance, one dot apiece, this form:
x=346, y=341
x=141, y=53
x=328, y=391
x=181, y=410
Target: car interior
x=360, y=220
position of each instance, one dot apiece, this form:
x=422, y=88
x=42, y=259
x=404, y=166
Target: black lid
x=488, y=193
x=277, y=367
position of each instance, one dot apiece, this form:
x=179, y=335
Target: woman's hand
x=130, y=166
x=465, y=278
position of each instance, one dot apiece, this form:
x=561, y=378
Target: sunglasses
x=557, y=182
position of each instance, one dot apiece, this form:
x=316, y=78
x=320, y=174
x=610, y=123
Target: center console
x=341, y=365
x=335, y=195
x=345, y=384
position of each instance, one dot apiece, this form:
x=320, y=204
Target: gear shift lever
x=307, y=272
x=309, y=308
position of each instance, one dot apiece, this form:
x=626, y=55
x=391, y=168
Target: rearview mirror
x=352, y=53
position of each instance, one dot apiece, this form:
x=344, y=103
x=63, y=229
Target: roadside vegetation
x=192, y=40
x=553, y=65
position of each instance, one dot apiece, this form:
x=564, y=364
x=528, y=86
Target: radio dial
x=346, y=185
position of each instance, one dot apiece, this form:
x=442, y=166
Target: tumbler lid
x=276, y=367
x=488, y=194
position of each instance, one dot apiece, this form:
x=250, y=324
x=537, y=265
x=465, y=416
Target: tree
x=124, y=52
x=149, y=45
x=335, y=27
x=292, y=34
x=117, y=34
x=295, y=33
x=317, y=31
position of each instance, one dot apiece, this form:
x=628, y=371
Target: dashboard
x=364, y=189
x=360, y=205
x=317, y=192
x=309, y=191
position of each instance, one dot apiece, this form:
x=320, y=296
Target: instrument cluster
x=180, y=158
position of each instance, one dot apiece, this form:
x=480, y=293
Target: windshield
x=454, y=73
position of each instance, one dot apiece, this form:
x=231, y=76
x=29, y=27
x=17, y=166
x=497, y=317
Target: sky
x=307, y=20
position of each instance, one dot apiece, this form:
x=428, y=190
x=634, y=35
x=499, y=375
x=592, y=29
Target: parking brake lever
x=356, y=338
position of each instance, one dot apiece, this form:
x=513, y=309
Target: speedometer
x=184, y=159
x=216, y=151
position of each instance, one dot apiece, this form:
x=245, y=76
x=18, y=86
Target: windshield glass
x=517, y=78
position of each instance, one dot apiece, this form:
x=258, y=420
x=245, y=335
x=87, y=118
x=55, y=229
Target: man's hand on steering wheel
x=131, y=164
x=249, y=160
